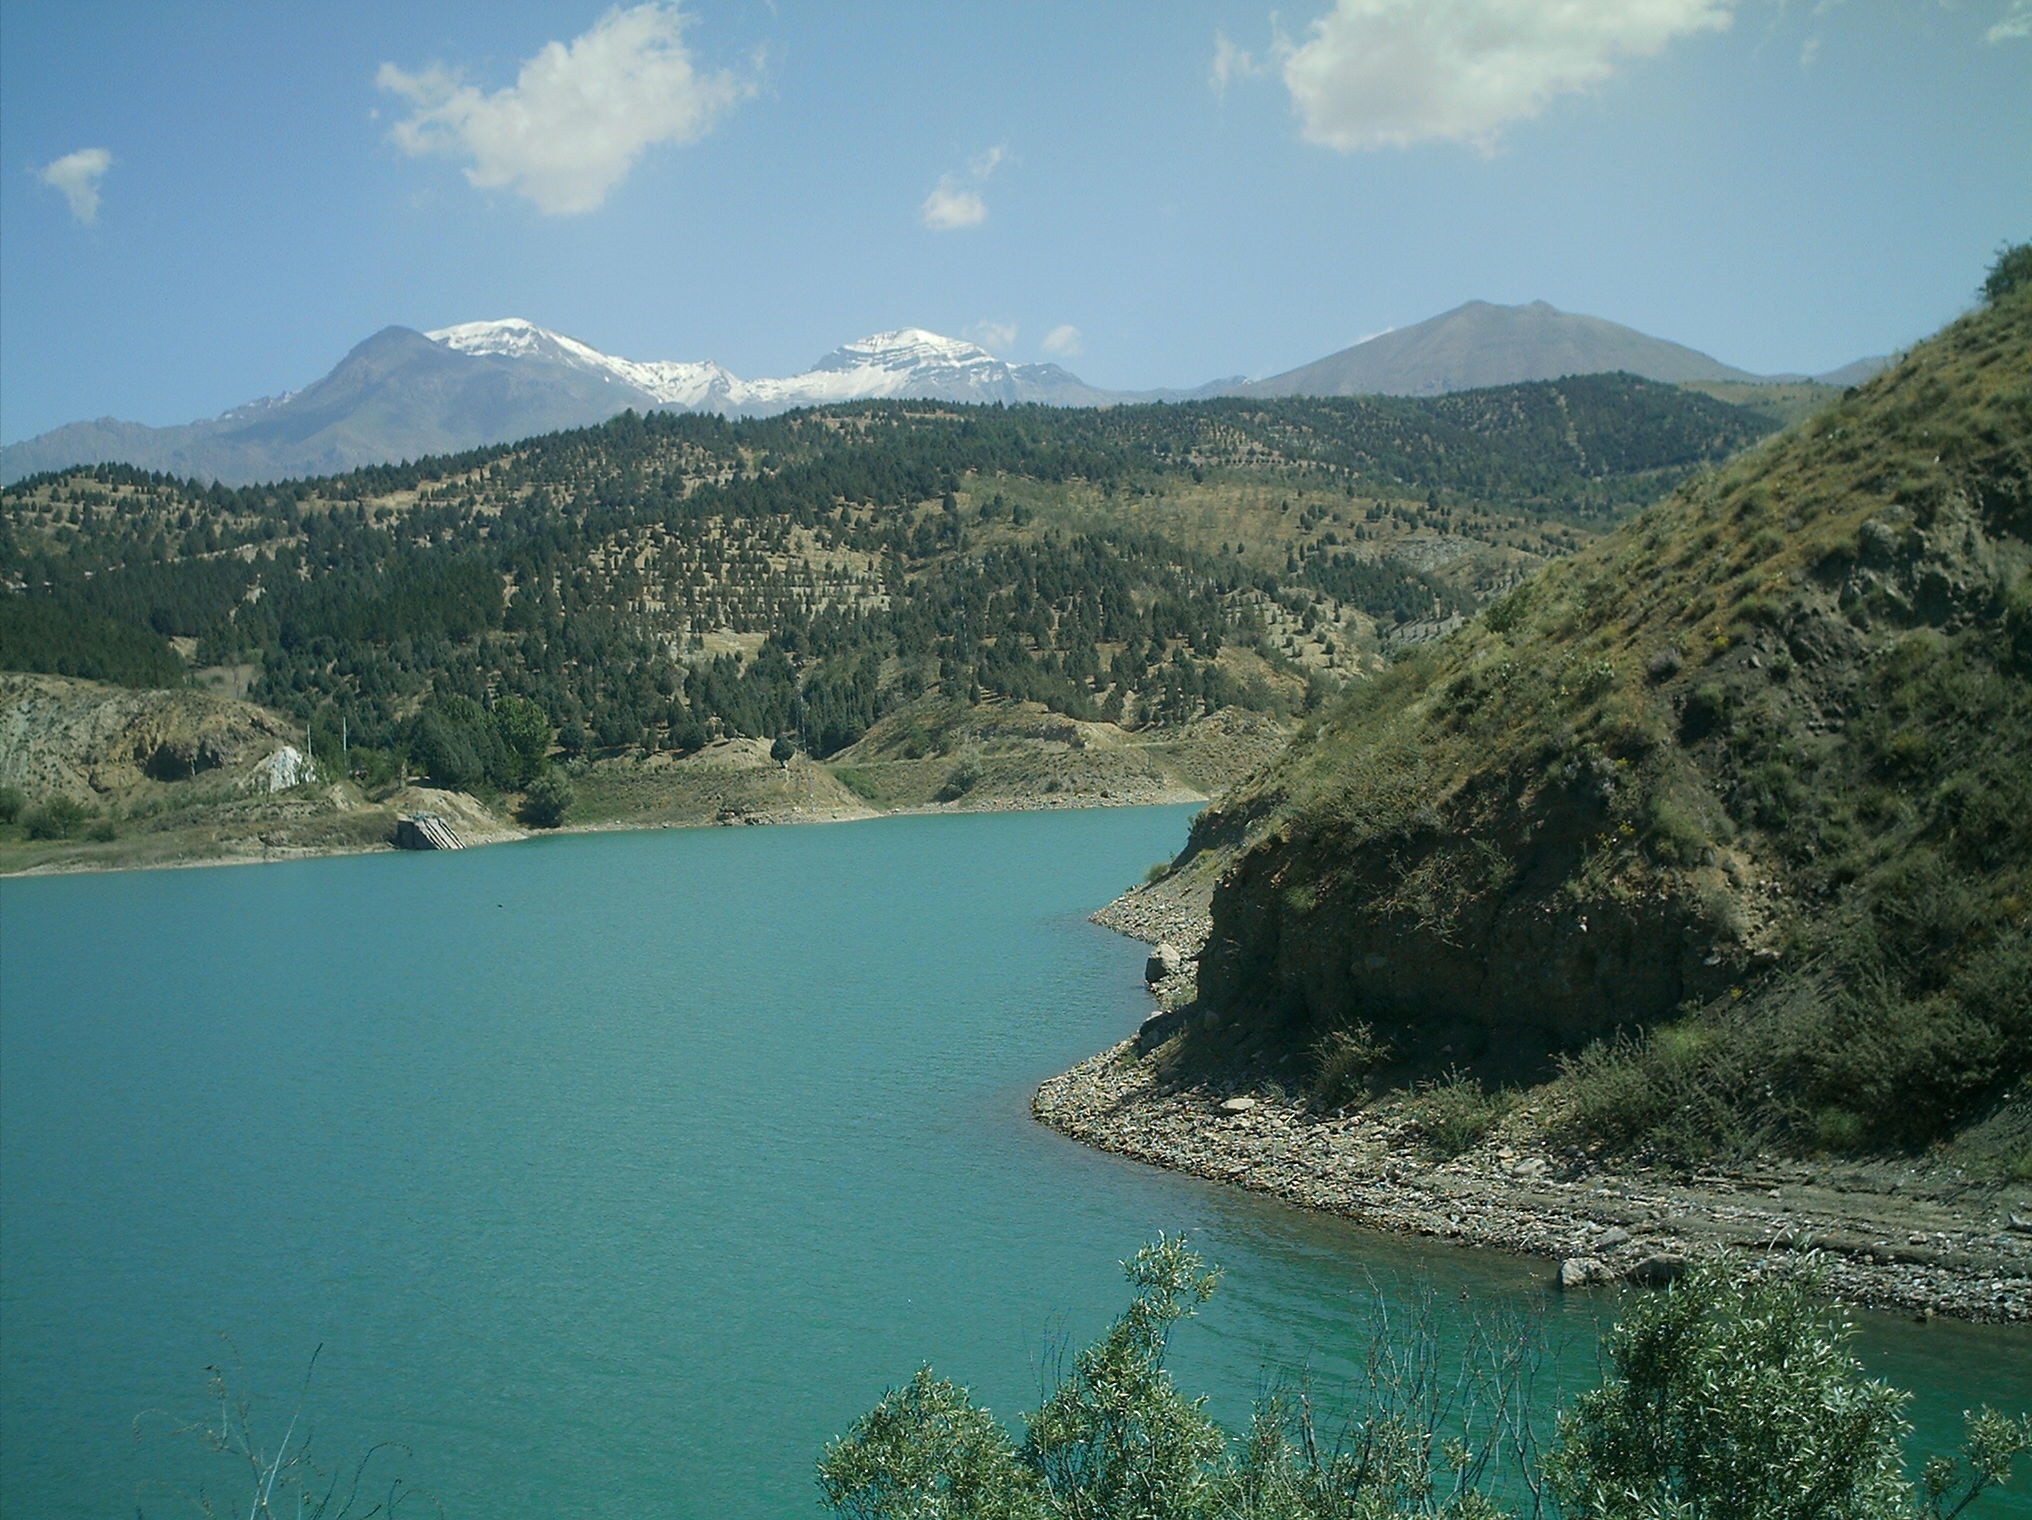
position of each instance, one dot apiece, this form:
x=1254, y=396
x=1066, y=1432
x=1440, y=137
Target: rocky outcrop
x=89, y=741
x=1499, y=971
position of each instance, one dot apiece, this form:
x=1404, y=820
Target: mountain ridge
x=403, y=394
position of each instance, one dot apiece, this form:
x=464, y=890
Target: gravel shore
x=1151, y=915
x=1916, y=1239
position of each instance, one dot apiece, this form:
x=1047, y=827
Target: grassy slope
x=1740, y=791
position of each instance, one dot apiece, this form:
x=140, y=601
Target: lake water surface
x=615, y=1173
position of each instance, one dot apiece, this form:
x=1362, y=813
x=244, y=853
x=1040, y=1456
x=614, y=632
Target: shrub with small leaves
x=1663, y=665
x=2011, y=272
x=1454, y=1113
x=1737, y=1399
x=1342, y=1061
x=59, y=818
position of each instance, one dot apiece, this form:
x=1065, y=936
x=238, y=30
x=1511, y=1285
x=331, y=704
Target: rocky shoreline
x=1912, y=1239
x=1158, y=918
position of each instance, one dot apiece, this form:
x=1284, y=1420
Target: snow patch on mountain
x=909, y=362
x=666, y=382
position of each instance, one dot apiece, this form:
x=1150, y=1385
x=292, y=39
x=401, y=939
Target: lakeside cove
x=1905, y=1236
x=1911, y=1238
x=536, y=1133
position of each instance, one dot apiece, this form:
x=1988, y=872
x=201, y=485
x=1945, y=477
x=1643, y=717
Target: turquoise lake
x=615, y=1173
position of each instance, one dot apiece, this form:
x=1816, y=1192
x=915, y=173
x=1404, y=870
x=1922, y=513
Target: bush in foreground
x=1724, y=1400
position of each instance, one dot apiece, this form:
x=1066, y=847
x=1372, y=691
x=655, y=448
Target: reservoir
x=615, y=1173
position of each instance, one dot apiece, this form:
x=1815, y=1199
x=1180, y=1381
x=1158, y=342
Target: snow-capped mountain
x=914, y=363
x=907, y=363
x=690, y=387
x=403, y=394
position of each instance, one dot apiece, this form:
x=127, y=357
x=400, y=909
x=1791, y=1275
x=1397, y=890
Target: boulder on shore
x=1584, y=1272
x=1163, y=963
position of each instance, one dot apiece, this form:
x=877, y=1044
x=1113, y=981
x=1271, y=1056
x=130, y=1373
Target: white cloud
x=578, y=115
x=1063, y=341
x=2015, y=25
x=77, y=175
x=955, y=201
x=1387, y=73
x=949, y=207
x=993, y=335
x=1232, y=63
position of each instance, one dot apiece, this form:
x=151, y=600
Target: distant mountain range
x=403, y=394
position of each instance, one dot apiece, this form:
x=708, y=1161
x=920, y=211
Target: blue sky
x=201, y=204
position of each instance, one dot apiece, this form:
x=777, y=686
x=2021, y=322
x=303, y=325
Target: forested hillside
x=662, y=580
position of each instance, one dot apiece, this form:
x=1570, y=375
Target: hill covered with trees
x=658, y=582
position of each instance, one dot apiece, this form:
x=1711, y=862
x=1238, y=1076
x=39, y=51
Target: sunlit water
x=616, y=1173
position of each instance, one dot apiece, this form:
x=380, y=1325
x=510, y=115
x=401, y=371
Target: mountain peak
x=905, y=346
x=1482, y=343
x=502, y=335
x=906, y=337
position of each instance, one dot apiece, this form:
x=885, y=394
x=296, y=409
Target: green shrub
x=1505, y=613
x=12, y=802
x=1735, y=1399
x=961, y=779
x=1773, y=793
x=373, y=768
x=1342, y=1062
x=1680, y=1093
x=1838, y=1129
x=59, y=818
x=861, y=782
x=1671, y=833
x=1453, y=1113
x=2011, y=272
x=1759, y=609
x=1724, y=1399
x=1706, y=712
x=1586, y=678
x=549, y=799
